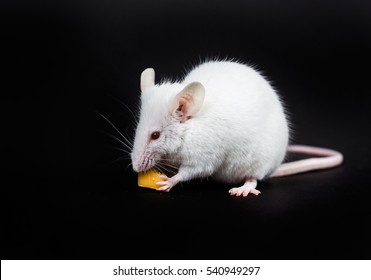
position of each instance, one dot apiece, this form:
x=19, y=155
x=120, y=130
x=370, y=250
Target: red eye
x=155, y=135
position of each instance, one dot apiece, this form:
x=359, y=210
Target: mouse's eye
x=155, y=135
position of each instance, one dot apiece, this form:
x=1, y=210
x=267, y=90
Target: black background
x=64, y=194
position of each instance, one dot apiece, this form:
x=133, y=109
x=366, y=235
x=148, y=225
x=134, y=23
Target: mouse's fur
x=223, y=120
x=240, y=131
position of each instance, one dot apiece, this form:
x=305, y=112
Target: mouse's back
x=243, y=109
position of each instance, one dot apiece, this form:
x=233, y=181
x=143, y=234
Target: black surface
x=64, y=195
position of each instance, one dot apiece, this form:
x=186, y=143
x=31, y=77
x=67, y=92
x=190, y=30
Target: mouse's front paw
x=167, y=184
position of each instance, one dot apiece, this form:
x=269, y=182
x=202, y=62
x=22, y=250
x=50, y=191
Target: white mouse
x=222, y=120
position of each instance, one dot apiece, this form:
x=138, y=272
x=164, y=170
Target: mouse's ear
x=189, y=101
x=147, y=79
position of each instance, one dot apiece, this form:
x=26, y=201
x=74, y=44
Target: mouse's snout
x=141, y=162
x=135, y=168
x=135, y=163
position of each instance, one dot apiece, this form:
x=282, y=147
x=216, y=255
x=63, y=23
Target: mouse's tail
x=325, y=158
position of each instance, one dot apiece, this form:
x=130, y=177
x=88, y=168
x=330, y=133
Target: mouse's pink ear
x=147, y=79
x=189, y=101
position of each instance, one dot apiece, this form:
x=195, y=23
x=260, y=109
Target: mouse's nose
x=135, y=169
x=134, y=162
x=139, y=164
x=136, y=166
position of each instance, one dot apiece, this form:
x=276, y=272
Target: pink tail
x=326, y=159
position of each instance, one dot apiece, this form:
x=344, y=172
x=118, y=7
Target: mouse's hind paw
x=247, y=188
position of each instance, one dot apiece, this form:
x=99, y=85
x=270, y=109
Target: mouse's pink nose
x=142, y=163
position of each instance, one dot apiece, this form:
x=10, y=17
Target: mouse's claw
x=166, y=185
x=164, y=179
x=244, y=192
x=165, y=188
x=247, y=188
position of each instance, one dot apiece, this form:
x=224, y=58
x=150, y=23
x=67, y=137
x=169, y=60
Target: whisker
x=128, y=165
x=173, y=163
x=121, y=149
x=167, y=169
x=162, y=169
x=126, y=158
x=118, y=159
x=169, y=160
x=135, y=122
x=119, y=140
x=129, y=144
x=167, y=165
x=165, y=160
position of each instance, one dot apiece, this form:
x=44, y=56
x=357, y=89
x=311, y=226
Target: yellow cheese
x=149, y=179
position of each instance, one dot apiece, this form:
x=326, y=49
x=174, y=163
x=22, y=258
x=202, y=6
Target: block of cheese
x=149, y=179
